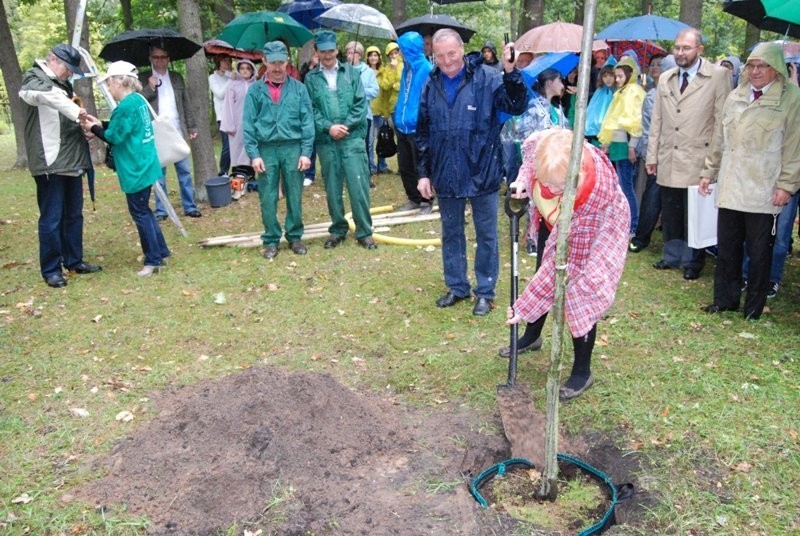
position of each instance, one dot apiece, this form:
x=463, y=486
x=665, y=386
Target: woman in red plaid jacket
x=598, y=242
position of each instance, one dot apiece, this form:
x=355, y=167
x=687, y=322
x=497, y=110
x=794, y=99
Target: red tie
x=756, y=94
x=685, y=81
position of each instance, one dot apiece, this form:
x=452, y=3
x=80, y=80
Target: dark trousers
x=225, y=155
x=154, y=246
x=407, y=166
x=649, y=211
x=674, y=213
x=60, y=200
x=736, y=231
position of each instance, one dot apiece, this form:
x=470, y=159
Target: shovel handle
x=515, y=208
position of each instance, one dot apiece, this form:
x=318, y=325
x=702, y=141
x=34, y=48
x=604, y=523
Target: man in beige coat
x=687, y=109
x=756, y=162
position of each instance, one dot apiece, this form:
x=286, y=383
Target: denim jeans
x=626, y=172
x=184, y=171
x=60, y=200
x=454, y=244
x=783, y=237
x=154, y=246
x=377, y=122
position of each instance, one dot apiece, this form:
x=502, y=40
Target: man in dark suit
x=165, y=90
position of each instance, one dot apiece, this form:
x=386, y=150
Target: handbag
x=385, y=146
x=170, y=145
x=109, y=160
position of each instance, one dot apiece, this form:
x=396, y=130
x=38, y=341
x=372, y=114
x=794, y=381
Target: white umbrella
x=358, y=19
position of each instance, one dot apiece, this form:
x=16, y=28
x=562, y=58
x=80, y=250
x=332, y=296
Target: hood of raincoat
x=490, y=46
x=772, y=55
x=416, y=69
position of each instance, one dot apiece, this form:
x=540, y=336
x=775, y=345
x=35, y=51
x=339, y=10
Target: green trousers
x=280, y=162
x=345, y=162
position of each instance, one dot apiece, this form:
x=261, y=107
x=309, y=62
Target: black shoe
x=634, y=247
x=161, y=217
x=505, y=351
x=773, y=289
x=56, y=281
x=662, y=265
x=298, y=248
x=367, y=243
x=482, y=306
x=690, y=274
x=194, y=214
x=333, y=241
x=566, y=394
x=84, y=268
x=714, y=309
x=425, y=208
x=270, y=252
x=449, y=299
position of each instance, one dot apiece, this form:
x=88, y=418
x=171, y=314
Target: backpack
x=385, y=146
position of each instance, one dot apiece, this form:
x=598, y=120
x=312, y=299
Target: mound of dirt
x=299, y=453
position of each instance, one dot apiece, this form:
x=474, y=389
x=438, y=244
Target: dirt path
x=299, y=453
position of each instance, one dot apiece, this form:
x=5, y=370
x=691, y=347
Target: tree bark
x=398, y=11
x=12, y=75
x=127, y=14
x=224, y=10
x=532, y=15
x=579, y=4
x=203, y=158
x=752, y=35
x=513, y=15
x=692, y=12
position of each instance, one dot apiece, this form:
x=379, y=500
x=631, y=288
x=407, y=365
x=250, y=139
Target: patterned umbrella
x=644, y=49
x=214, y=47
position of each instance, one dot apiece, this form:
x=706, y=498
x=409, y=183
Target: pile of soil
x=299, y=453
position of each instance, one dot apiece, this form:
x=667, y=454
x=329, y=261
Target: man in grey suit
x=687, y=107
x=165, y=90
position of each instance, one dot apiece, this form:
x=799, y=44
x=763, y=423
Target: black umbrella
x=755, y=12
x=134, y=46
x=428, y=24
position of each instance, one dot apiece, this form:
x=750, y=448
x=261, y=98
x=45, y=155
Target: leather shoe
x=505, y=351
x=194, y=214
x=566, y=394
x=298, y=247
x=714, y=309
x=482, y=306
x=449, y=299
x=56, y=281
x=84, y=268
x=367, y=243
x=662, y=265
x=691, y=274
x=270, y=252
x=333, y=241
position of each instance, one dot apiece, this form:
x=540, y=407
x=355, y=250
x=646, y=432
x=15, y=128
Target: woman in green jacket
x=130, y=134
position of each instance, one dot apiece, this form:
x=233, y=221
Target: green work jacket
x=347, y=105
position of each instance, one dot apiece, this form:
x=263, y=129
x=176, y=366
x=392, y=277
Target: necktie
x=756, y=94
x=685, y=81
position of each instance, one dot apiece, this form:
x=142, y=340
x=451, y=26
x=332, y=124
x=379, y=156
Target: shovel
x=523, y=426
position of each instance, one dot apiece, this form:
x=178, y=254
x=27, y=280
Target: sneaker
x=773, y=289
x=530, y=248
x=408, y=206
x=307, y=182
x=425, y=208
x=148, y=270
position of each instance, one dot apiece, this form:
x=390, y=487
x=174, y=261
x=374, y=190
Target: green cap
x=275, y=51
x=325, y=40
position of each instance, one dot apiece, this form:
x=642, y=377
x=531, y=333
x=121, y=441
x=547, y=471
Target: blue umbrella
x=305, y=11
x=644, y=27
x=563, y=62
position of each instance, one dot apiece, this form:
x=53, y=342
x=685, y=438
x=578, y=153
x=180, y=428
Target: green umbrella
x=780, y=16
x=250, y=31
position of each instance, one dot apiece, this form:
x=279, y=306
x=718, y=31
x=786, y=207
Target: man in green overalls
x=278, y=138
x=340, y=119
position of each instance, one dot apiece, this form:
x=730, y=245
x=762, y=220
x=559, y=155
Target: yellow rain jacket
x=625, y=111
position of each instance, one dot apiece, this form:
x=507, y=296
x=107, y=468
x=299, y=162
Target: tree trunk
x=127, y=14
x=203, y=158
x=532, y=15
x=752, y=35
x=692, y=12
x=398, y=11
x=549, y=488
x=513, y=16
x=224, y=11
x=12, y=75
x=579, y=4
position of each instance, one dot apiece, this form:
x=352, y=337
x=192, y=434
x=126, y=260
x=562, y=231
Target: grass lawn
x=710, y=402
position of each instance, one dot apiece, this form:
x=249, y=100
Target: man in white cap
x=57, y=158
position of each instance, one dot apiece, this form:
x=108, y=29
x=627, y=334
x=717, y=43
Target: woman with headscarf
x=233, y=110
x=622, y=128
x=130, y=133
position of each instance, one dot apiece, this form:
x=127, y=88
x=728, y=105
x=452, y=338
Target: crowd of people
x=658, y=130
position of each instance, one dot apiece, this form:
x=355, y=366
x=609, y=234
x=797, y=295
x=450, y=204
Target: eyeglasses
x=684, y=49
x=756, y=66
x=159, y=57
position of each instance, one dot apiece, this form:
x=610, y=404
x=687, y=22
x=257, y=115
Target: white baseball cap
x=120, y=68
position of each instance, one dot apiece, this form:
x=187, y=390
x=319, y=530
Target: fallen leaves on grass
x=742, y=467
x=124, y=416
x=79, y=412
x=22, y=499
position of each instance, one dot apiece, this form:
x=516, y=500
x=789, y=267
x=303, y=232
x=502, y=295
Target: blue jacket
x=418, y=68
x=459, y=146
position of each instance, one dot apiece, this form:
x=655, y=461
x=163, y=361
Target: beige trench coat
x=683, y=125
x=759, y=148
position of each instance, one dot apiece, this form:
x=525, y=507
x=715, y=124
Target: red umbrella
x=213, y=47
x=644, y=49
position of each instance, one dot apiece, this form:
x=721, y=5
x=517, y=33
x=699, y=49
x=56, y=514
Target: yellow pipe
x=383, y=239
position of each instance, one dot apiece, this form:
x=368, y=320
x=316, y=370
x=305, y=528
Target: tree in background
x=12, y=75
